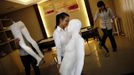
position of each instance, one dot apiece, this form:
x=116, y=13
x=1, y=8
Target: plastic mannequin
x=73, y=61
x=19, y=31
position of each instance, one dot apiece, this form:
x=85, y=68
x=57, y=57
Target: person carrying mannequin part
x=73, y=61
x=19, y=31
x=60, y=35
x=105, y=16
x=27, y=60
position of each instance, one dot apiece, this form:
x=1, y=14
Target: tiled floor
x=118, y=63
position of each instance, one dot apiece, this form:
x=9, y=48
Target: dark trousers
x=100, y=40
x=27, y=61
x=108, y=33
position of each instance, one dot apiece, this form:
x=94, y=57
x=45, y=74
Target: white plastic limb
x=80, y=57
x=31, y=52
x=16, y=30
x=30, y=40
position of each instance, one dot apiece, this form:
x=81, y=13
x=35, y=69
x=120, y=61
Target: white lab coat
x=72, y=63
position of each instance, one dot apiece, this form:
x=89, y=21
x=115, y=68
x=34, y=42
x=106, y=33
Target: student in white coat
x=73, y=61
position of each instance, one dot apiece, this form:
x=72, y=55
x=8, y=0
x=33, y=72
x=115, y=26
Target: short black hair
x=100, y=3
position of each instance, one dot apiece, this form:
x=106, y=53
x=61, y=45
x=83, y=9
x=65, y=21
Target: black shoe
x=115, y=50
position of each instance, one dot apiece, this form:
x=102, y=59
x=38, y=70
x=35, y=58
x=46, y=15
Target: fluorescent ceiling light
x=41, y=1
x=25, y=2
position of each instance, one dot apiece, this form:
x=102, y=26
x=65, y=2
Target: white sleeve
x=56, y=37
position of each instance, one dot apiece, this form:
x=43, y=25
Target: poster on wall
x=72, y=5
x=58, y=6
x=66, y=5
x=48, y=8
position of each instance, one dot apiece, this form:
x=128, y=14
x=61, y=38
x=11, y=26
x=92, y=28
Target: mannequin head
x=74, y=26
x=62, y=20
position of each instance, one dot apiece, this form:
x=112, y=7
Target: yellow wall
x=50, y=20
x=28, y=16
x=125, y=11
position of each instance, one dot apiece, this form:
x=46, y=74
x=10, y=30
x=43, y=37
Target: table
x=46, y=43
x=90, y=33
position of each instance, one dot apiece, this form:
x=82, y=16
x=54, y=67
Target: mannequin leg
x=30, y=52
x=17, y=34
x=79, y=66
x=30, y=40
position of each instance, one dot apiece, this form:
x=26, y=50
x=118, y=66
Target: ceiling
x=6, y=7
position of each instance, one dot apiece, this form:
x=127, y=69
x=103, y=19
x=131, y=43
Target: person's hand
x=17, y=40
x=58, y=65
